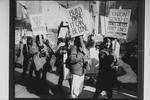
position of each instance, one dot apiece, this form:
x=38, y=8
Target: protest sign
x=77, y=20
x=98, y=38
x=118, y=23
x=29, y=33
x=62, y=33
x=38, y=24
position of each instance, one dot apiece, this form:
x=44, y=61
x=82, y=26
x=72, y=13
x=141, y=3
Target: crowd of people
x=40, y=58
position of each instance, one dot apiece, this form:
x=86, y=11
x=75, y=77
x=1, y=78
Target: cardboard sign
x=95, y=54
x=77, y=20
x=63, y=32
x=118, y=23
x=29, y=33
x=38, y=24
x=98, y=38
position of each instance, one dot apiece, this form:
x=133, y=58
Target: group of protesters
x=40, y=58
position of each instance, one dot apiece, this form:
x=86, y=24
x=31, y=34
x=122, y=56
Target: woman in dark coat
x=106, y=73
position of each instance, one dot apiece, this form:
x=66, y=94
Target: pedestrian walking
x=61, y=50
x=40, y=59
x=107, y=60
x=27, y=58
x=77, y=62
x=69, y=44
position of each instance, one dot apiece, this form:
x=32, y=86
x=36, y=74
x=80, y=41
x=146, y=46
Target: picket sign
x=63, y=32
x=118, y=23
x=77, y=20
x=29, y=33
x=38, y=25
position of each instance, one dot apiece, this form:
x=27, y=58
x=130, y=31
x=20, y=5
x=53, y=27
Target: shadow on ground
x=41, y=90
x=129, y=86
x=51, y=91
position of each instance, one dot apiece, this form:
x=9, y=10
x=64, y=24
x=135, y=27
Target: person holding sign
x=78, y=60
x=107, y=60
x=61, y=50
x=77, y=67
x=39, y=59
x=63, y=74
x=62, y=54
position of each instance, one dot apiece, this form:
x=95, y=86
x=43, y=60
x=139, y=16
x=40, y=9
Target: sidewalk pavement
x=23, y=89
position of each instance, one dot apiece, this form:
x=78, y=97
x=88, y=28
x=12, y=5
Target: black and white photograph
x=77, y=49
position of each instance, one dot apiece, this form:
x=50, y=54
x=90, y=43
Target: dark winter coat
x=106, y=74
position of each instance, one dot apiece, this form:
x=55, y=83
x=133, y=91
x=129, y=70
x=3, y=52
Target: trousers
x=77, y=85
